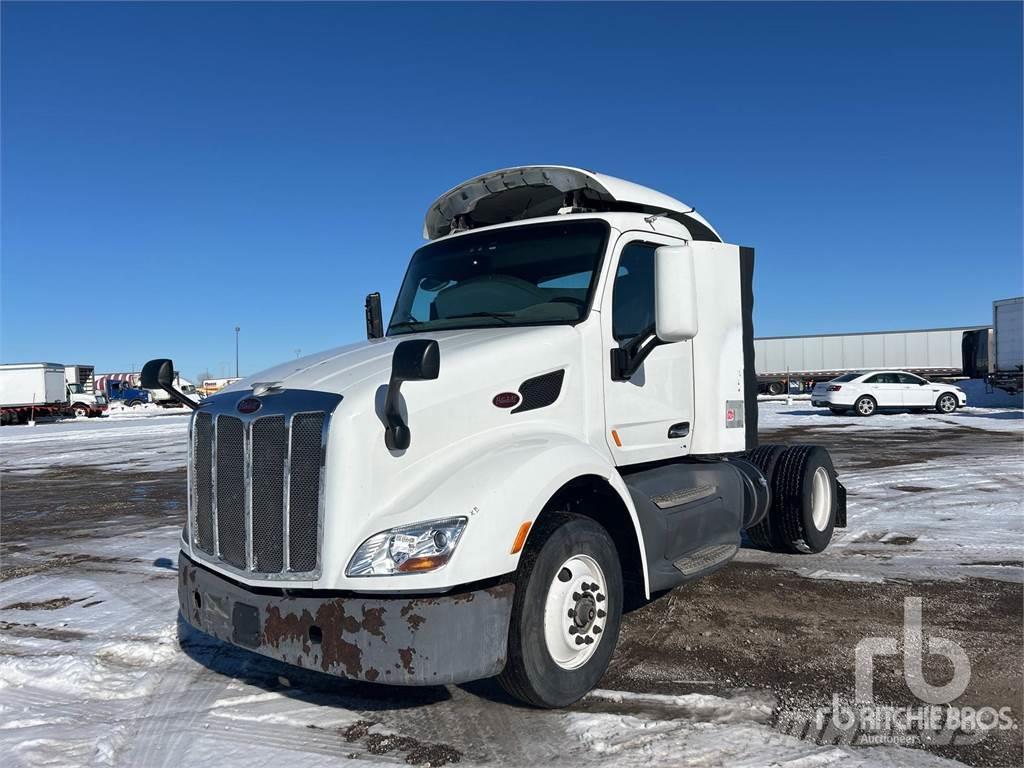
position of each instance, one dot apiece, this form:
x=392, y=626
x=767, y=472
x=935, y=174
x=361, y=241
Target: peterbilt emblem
x=506, y=400
x=249, y=405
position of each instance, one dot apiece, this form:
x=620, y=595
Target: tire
x=80, y=410
x=775, y=388
x=947, y=403
x=561, y=545
x=865, y=406
x=804, y=499
x=133, y=403
x=765, y=457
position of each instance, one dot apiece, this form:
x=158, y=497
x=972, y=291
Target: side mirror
x=675, y=293
x=374, y=320
x=413, y=360
x=159, y=374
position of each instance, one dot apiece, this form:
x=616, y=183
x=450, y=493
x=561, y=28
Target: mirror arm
x=396, y=435
x=181, y=398
x=627, y=359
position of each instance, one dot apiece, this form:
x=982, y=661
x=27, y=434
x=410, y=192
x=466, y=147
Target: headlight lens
x=409, y=549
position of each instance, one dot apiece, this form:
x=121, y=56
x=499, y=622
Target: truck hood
x=367, y=364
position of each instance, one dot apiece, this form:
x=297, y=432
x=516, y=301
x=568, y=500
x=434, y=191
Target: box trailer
x=31, y=389
x=995, y=354
x=559, y=421
x=934, y=353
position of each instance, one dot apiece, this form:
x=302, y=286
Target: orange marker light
x=615, y=437
x=521, y=537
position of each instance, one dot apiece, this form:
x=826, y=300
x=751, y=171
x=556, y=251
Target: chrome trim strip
x=286, y=524
x=190, y=487
x=213, y=482
x=247, y=479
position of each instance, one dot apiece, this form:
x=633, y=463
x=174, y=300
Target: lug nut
x=600, y=614
x=576, y=595
x=572, y=613
x=579, y=641
x=589, y=640
x=596, y=630
x=585, y=587
x=600, y=598
x=572, y=629
x=594, y=587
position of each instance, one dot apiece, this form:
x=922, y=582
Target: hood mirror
x=413, y=360
x=159, y=374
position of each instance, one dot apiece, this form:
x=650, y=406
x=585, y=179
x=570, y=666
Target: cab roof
x=532, y=191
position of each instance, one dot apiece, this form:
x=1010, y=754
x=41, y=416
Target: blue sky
x=170, y=171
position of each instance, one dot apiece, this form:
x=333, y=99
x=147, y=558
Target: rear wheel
x=804, y=499
x=865, y=405
x=566, y=612
x=946, y=403
x=775, y=388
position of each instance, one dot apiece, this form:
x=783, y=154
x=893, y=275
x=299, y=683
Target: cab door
x=649, y=416
x=886, y=389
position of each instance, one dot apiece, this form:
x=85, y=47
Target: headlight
x=409, y=549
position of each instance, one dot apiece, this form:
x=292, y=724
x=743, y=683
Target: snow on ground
x=776, y=414
x=101, y=679
x=138, y=439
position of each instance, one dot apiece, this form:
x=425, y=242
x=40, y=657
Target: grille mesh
x=304, y=491
x=202, y=458
x=231, y=490
x=269, y=451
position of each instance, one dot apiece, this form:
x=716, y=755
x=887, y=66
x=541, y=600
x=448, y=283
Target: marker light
x=415, y=548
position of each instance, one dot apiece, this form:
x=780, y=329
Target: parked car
x=870, y=391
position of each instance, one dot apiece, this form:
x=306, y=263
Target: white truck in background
x=83, y=400
x=29, y=390
x=996, y=354
x=560, y=421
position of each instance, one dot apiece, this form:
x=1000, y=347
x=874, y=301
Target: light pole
x=237, y=329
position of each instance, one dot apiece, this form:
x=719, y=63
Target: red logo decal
x=730, y=415
x=506, y=400
x=249, y=405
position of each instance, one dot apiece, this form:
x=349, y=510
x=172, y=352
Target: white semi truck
x=559, y=421
x=82, y=397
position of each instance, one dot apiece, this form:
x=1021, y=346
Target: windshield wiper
x=405, y=324
x=496, y=315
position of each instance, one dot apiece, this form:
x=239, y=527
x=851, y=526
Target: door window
x=909, y=378
x=882, y=378
x=633, y=291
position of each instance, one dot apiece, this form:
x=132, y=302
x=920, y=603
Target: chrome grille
x=256, y=501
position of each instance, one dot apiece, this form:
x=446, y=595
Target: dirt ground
x=748, y=626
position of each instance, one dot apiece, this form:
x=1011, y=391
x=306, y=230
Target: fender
x=507, y=482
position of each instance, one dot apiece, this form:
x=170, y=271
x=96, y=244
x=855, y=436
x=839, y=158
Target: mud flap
x=840, y=505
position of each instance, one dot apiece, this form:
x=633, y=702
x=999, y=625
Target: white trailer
x=1008, y=342
x=31, y=389
x=802, y=360
x=561, y=419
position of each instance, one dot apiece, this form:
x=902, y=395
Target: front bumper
x=414, y=640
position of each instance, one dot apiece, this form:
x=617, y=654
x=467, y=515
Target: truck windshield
x=76, y=389
x=538, y=274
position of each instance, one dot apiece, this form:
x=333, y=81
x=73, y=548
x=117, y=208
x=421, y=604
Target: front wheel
x=134, y=403
x=80, y=411
x=566, y=612
x=946, y=403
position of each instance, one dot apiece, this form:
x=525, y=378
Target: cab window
x=882, y=378
x=633, y=291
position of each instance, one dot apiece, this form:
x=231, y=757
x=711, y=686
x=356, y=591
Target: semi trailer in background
x=82, y=396
x=933, y=353
x=996, y=354
x=28, y=390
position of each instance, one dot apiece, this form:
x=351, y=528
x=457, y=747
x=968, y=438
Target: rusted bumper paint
x=418, y=640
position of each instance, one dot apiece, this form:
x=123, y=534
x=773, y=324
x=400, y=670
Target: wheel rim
x=821, y=498
x=81, y=412
x=946, y=403
x=575, y=612
x=865, y=406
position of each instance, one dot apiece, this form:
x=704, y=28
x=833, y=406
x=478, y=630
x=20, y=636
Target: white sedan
x=870, y=391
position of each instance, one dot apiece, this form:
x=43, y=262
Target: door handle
x=682, y=429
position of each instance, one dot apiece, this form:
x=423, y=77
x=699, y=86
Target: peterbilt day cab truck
x=560, y=421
